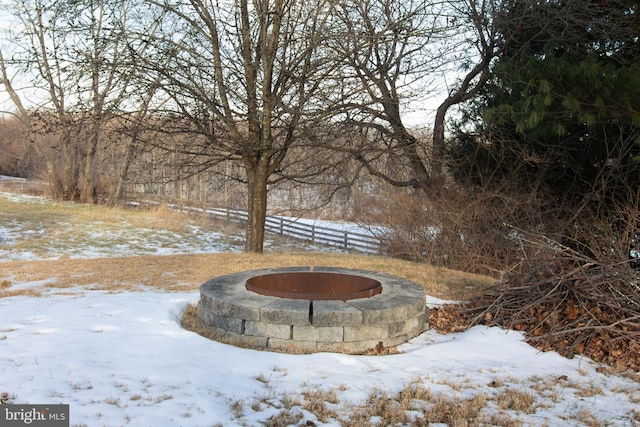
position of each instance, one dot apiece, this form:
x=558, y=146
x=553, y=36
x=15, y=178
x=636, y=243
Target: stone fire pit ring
x=236, y=315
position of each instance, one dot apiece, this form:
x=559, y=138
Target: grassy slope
x=176, y=272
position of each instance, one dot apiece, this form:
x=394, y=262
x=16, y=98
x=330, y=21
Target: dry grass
x=321, y=403
x=176, y=273
x=418, y=405
x=237, y=406
x=169, y=272
x=516, y=400
x=390, y=411
x=283, y=419
x=49, y=213
x=5, y=399
x=587, y=419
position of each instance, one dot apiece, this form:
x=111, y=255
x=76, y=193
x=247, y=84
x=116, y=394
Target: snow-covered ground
x=123, y=359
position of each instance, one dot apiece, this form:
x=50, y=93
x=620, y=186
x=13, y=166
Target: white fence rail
x=346, y=239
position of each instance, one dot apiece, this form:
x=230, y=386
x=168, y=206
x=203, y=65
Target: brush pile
x=571, y=305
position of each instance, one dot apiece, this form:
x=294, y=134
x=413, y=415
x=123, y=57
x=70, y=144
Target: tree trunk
x=257, y=174
x=409, y=147
x=55, y=182
x=70, y=172
x=118, y=192
x=468, y=88
x=88, y=184
x=438, y=149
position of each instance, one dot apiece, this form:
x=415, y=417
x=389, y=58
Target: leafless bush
x=580, y=293
x=19, y=157
x=462, y=230
x=569, y=274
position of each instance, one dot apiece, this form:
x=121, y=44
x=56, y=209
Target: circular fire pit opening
x=297, y=310
x=314, y=286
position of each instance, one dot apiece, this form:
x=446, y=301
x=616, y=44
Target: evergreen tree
x=562, y=108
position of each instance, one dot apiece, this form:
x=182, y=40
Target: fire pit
x=303, y=311
x=314, y=286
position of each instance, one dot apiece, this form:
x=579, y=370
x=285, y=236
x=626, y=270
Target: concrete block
x=335, y=313
x=320, y=333
x=246, y=341
x=366, y=333
x=260, y=329
x=285, y=312
x=290, y=346
x=413, y=325
x=229, y=308
x=231, y=324
x=393, y=309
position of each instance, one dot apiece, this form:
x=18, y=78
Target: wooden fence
x=312, y=233
x=339, y=238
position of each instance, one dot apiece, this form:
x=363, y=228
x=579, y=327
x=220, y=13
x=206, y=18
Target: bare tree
x=240, y=80
x=22, y=114
x=385, y=49
x=73, y=54
x=40, y=54
x=476, y=47
x=101, y=87
x=133, y=124
x=395, y=50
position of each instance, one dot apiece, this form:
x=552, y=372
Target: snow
x=123, y=359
